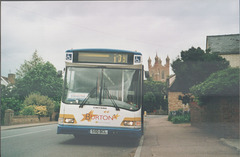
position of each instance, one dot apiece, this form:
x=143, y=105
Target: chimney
x=11, y=78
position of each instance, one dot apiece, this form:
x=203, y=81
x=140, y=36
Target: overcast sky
x=165, y=27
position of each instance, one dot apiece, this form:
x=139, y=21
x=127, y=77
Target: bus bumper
x=111, y=131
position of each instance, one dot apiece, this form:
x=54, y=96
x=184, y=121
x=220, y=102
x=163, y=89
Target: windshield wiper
x=86, y=99
x=112, y=100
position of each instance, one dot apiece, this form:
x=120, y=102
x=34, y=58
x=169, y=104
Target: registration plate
x=98, y=131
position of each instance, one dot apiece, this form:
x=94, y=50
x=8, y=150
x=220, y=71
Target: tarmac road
x=42, y=141
x=161, y=139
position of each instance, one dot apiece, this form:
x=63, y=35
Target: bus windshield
x=103, y=87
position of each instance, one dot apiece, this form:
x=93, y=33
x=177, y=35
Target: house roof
x=173, y=85
x=4, y=80
x=223, y=44
x=171, y=79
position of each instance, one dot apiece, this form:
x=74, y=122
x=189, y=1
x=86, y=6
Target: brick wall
x=174, y=104
x=219, y=116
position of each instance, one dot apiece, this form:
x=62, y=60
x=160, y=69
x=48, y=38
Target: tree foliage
x=28, y=65
x=194, y=66
x=42, y=79
x=221, y=83
x=34, y=76
x=154, y=95
x=149, y=100
x=9, y=101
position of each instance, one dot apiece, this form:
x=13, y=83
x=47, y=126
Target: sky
x=162, y=27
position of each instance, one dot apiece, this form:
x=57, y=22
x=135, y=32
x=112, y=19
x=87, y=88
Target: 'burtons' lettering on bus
x=90, y=116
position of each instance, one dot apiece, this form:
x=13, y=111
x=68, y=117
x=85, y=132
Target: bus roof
x=104, y=50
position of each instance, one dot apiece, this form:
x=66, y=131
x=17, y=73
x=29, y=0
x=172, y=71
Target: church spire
x=167, y=61
x=159, y=61
x=156, y=58
x=149, y=63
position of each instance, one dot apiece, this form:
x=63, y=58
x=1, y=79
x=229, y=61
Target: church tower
x=158, y=72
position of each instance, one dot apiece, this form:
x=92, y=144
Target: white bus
x=102, y=93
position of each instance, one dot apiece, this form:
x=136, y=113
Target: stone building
x=158, y=72
x=227, y=46
x=174, y=91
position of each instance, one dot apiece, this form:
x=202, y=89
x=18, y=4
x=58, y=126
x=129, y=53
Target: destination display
x=110, y=58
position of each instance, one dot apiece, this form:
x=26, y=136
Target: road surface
x=43, y=141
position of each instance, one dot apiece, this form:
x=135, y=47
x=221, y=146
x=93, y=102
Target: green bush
x=41, y=111
x=221, y=83
x=179, y=116
x=28, y=110
x=40, y=100
x=10, y=103
x=57, y=110
x=181, y=119
x=170, y=117
x=225, y=82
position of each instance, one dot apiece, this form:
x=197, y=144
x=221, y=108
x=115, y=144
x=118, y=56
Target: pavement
x=164, y=139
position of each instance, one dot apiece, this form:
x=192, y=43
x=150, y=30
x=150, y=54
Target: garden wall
x=220, y=115
x=10, y=119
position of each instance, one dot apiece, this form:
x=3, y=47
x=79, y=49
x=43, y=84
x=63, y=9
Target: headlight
x=128, y=123
x=66, y=118
x=69, y=120
x=131, y=123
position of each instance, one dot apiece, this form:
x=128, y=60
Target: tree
x=28, y=65
x=195, y=66
x=149, y=100
x=154, y=95
x=43, y=79
x=9, y=101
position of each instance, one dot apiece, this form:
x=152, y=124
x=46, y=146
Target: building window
x=163, y=77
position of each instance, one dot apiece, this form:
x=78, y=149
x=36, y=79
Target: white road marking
x=25, y=134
